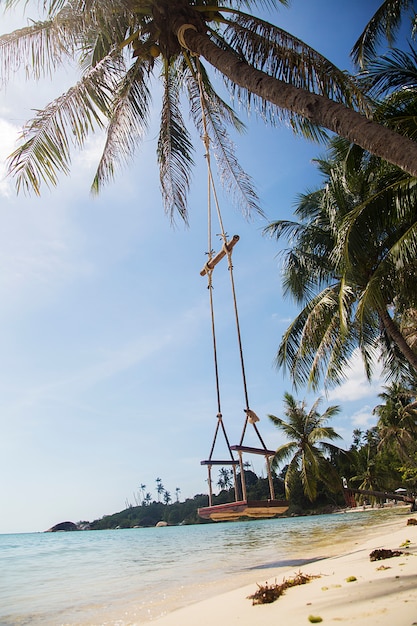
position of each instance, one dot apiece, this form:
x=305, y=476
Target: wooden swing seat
x=250, y=450
x=210, y=462
x=253, y=509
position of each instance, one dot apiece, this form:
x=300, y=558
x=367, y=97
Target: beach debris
x=412, y=521
x=315, y=619
x=266, y=594
x=351, y=579
x=382, y=553
x=381, y=568
x=331, y=587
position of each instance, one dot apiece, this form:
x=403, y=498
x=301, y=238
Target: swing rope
x=227, y=248
x=251, y=417
x=209, y=271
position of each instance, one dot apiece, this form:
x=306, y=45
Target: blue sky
x=106, y=370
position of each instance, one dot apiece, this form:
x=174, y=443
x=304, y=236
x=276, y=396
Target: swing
x=241, y=508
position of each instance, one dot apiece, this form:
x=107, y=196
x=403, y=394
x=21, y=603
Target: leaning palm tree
x=308, y=445
x=121, y=44
x=351, y=266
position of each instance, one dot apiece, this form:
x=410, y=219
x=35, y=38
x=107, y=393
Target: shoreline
x=384, y=592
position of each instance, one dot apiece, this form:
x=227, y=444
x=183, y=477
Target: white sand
x=380, y=596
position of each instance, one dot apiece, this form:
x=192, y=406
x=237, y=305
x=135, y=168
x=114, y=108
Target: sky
x=106, y=364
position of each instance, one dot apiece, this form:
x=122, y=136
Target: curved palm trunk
x=397, y=337
x=345, y=122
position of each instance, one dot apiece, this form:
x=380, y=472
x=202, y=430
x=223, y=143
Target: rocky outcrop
x=63, y=527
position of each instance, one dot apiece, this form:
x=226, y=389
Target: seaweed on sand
x=378, y=555
x=269, y=593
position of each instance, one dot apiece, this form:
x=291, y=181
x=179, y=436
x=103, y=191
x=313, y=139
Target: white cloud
x=8, y=134
x=357, y=385
x=363, y=418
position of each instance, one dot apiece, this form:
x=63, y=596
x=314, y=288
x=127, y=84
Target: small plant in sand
x=351, y=579
x=412, y=521
x=315, y=619
x=405, y=544
x=269, y=593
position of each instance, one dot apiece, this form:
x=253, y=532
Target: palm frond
x=287, y=58
x=396, y=70
x=287, y=428
x=65, y=122
x=398, y=111
x=249, y=4
x=384, y=24
x=40, y=48
x=292, y=474
x=128, y=123
x=312, y=347
x=283, y=453
x=233, y=178
x=310, y=471
x=174, y=148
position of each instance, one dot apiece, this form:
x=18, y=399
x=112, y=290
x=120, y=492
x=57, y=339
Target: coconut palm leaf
x=39, y=48
x=128, y=123
x=92, y=31
x=398, y=110
x=384, y=24
x=312, y=346
x=395, y=70
x=174, y=148
x=64, y=122
x=280, y=54
x=204, y=101
x=284, y=452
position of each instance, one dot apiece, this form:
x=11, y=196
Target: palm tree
x=159, y=488
x=167, y=497
x=122, y=43
x=357, y=438
x=351, y=266
x=225, y=480
x=383, y=26
x=397, y=423
x=309, y=443
x=371, y=475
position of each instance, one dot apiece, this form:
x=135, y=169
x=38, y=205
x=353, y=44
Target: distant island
x=147, y=515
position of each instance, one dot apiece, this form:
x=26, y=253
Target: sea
x=134, y=576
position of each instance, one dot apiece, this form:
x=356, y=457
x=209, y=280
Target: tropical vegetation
x=351, y=267
x=308, y=469
x=351, y=263
x=308, y=446
x=121, y=45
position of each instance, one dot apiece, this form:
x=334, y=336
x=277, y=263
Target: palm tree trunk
x=345, y=122
x=397, y=337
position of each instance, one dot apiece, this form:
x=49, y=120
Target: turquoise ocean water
x=127, y=577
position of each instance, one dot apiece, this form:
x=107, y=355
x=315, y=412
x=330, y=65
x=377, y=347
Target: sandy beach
x=350, y=588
